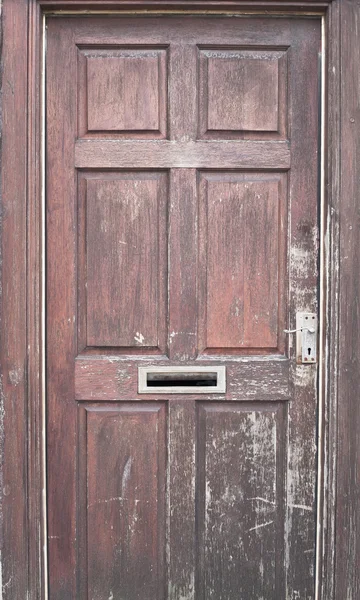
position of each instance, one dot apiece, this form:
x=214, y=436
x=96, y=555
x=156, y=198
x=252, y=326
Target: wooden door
x=182, y=230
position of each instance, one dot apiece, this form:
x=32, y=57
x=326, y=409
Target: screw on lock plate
x=306, y=337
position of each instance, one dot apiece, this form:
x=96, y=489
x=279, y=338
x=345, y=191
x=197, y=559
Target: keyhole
x=309, y=351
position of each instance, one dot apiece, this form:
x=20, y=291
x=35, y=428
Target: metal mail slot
x=182, y=380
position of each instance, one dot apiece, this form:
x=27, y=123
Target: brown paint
x=220, y=237
x=22, y=483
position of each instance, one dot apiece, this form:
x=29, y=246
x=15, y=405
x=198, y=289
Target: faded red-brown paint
x=182, y=467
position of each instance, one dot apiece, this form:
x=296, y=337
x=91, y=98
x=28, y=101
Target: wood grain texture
x=214, y=6
x=110, y=154
x=15, y=38
x=241, y=501
x=126, y=263
x=113, y=377
x=13, y=348
x=122, y=92
x=347, y=576
x=182, y=337
x=328, y=539
x=231, y=105
x=106, y=376
x=303, y=280
x=124, y=500
x=242, y=244
x=35, y=328
x=61, y=312
x=182, y=489
x=115, y=88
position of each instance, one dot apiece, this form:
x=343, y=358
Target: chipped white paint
x=176, y=333
x=305, y=376
x=15, y=376
x=6, y=585
x=126, y=475
x=107, y=500
x=111, y=597
x=177, y=592
x=139, y=338
x=301, y=261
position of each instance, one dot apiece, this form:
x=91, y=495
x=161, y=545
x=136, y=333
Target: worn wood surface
x=123, y=500
x=230, y=106
x=113, y=377
x=327, y=539
x=91, y=154
x=125, y=259
x=347, y=575
x=342, y=210
x=216, y=6
x=240, y=514
x=238, y=212
x=61, y=331
x=154, y=234
x=13, y=347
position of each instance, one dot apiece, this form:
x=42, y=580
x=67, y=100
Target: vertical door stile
x=181, y=542
x=303, y=278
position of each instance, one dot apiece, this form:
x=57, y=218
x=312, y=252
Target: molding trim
x=21, y=304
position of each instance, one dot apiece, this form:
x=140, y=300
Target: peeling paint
x=139, y=338
x=126, y=475
x=15, y=376
x=106, y=501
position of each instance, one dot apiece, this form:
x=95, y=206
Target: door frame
x=22, y=325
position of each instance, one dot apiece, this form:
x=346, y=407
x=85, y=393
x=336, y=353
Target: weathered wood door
x=182, y=230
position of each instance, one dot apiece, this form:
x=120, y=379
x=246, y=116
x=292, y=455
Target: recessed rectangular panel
x=242, y=91
x=125, y=487
x=241, y=501
x=242, y=242
x=123, y=91
x=125, y=259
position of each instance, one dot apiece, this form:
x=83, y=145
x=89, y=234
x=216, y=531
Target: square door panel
x=242, y=262
x=123, y=92
x=122, y=260
x=242, y=93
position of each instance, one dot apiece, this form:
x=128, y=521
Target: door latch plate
x=306, y=338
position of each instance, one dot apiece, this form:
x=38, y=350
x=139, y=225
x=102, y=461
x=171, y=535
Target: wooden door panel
x=241, y=500
x=242, y=228
x=231, y=106
x=122, y=92
x=123, y=260
x=122, y=500
x=182, y=228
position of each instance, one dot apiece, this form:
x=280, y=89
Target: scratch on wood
x=262, y=500
x=301, y=506
x=260, y=526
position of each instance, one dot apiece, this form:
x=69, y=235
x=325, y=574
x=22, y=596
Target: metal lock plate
x=306, y=338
